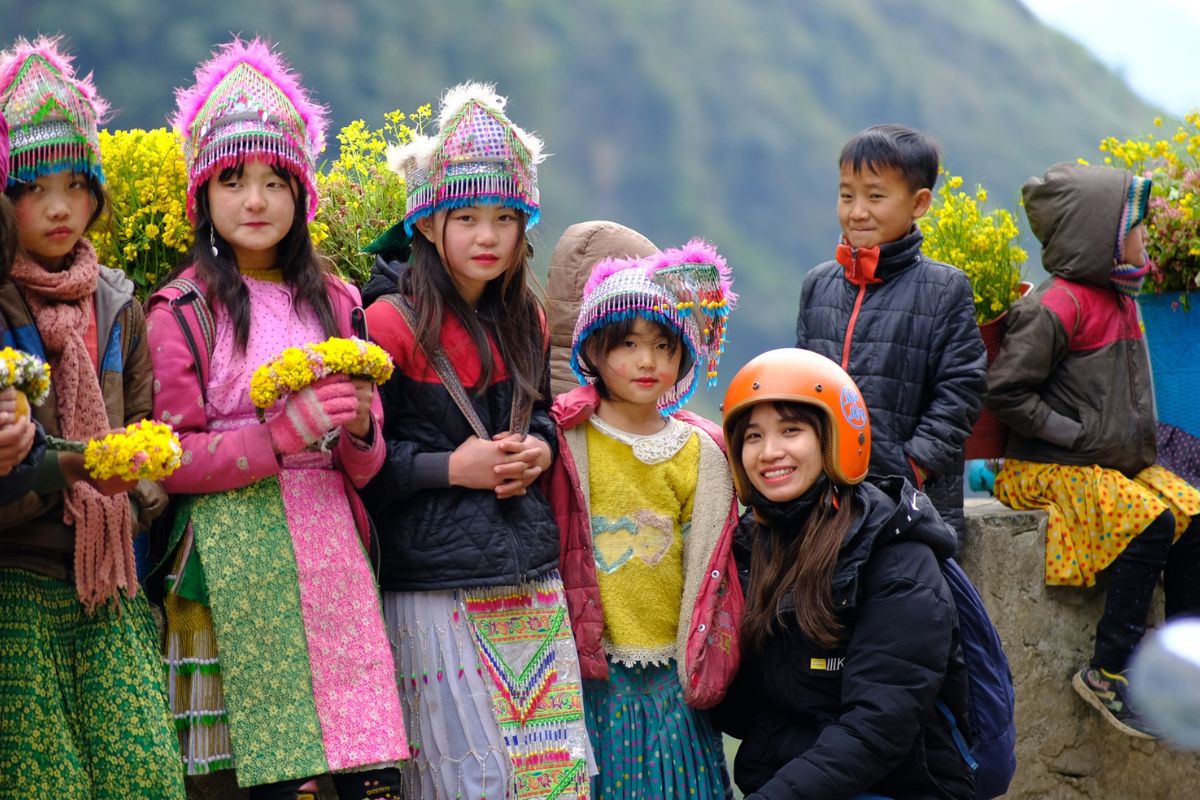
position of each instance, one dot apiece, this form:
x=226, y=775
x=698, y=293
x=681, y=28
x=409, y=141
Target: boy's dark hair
x=914, y=154
x=96, y=188
x=8, y=237
x=610, y=336
x=301, y=266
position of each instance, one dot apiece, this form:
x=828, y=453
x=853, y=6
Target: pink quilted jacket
x=214, y=461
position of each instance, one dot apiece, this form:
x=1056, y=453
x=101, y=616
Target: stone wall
x=1064, y=747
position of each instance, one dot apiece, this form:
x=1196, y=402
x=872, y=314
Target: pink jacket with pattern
x=218, y=461
x=707, y=643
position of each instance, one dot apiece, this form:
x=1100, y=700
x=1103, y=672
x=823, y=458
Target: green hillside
x=721, y=119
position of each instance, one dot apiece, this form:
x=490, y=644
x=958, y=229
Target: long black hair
x=508, y=307
x=302, y=267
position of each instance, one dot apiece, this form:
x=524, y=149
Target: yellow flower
x=26, y=373
x=956, y=231
x=146, y=450
x=297, y=367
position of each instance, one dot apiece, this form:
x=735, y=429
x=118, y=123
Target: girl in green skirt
x=83, y=712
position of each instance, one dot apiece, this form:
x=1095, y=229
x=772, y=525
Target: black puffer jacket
x=861, y=717
x=433, y=535
x=916, y=355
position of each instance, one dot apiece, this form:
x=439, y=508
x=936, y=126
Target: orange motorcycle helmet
x=793, y=375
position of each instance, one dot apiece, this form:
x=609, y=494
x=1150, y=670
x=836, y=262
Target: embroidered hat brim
x=247, y=104
x=478, y=157
x=52, y=113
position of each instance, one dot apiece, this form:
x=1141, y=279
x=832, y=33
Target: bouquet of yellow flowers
x=145, y=450
x=148, y=230
x=298, y=367
x=1173, y=217
x=982, y=245
x=26, y=373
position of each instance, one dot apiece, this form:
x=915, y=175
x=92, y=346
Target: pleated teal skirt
x=648, y=742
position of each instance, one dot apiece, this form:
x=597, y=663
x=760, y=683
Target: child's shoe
x=1108, y=693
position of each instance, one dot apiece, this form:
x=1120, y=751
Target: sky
x=1152, y=43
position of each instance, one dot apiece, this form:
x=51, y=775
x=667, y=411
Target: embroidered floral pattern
x=81, y=700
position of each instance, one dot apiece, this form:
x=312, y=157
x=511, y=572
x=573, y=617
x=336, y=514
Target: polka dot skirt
x=1094, y=511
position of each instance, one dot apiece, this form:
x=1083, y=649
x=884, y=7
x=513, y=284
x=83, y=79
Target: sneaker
x=1108, y=693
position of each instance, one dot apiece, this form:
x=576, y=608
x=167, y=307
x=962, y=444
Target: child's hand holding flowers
x=312, y=413
x=298, y=367
x=114, y=462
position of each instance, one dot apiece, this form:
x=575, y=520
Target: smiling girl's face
x=781, y=456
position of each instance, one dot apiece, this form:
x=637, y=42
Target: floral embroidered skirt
x=489, y=679
x=1093, y=511
x=83, y=714
x=304, y=682
x=648, y=741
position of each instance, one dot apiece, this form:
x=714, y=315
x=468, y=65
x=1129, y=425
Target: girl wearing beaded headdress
x=279, y=664
x=473, y=599
x=645, y=500
x=82, y=708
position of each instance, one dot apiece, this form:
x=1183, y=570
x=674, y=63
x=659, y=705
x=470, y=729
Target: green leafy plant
x=360, y=197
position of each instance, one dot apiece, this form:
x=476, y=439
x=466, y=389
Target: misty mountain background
x=680, y=119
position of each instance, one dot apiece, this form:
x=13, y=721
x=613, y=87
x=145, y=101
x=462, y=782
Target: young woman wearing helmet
x=850, y=637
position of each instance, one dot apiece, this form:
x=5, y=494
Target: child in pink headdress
x=645, y=504
x=82, y=708
x=279, y=663
x=469, y=566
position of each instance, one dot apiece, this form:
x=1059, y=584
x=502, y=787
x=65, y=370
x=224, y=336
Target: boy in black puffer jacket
x=901, y=324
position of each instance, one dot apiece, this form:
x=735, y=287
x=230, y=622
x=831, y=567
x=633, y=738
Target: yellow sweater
x=640, y=514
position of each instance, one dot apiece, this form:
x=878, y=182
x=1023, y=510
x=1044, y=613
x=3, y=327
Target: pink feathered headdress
x=686, y=289
x=3, y=151
x=52, y=114
x=248, y=102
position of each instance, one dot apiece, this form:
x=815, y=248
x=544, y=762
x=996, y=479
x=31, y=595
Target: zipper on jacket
x=858, y=301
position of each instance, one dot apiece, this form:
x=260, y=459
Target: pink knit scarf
x=62, y=305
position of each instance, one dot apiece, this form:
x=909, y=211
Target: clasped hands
x=507, y=463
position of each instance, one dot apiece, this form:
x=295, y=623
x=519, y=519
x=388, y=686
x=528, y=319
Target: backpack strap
x=202, y=323
x=959, y=740
x=522, y=407
x=442, y=366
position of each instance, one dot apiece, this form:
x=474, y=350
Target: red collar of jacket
x=858, y=263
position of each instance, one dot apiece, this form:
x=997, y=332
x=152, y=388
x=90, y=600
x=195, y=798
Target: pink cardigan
x=219, y=461
x=707, y=648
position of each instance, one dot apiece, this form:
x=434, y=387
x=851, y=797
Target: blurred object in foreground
x=1165, y=680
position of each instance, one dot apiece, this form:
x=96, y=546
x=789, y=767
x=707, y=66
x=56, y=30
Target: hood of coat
x=575, y=407
x=1074, y=211
x=896, y=512
x=577, y=251
x=383, y=279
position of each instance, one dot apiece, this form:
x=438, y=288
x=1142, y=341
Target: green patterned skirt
x=83, y=712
